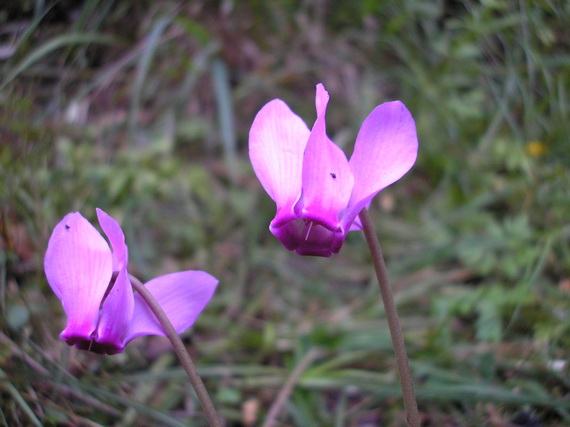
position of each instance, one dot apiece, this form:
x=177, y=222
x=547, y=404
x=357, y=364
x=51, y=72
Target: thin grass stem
x=275, y=410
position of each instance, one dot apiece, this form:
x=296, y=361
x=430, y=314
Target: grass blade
x=56, y=43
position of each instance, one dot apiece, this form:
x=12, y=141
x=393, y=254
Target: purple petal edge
x=181, y=295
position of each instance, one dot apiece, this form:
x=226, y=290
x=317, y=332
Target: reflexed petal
x=356, y=225
x=321, y=99
x=181, y=295
x=117, y=238
x=277, y=140
x=386, y=148
x=78, y=266
x=116, y=314
x=327, y=178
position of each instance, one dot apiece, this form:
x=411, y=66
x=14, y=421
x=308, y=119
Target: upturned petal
x=78, y=266
x=386, y=148
x=116, y=237
x=277, y=140
x=117, y=307
x=115, y=316
x=327, y=178
x=181, y=295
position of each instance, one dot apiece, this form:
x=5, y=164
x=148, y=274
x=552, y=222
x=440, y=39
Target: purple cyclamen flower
x=91, y=280
x=318, y=192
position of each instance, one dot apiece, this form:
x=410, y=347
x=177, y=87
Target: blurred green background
x=143, y=109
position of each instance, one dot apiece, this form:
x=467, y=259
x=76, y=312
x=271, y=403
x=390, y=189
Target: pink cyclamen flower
x=318, y=192
x=91, y=280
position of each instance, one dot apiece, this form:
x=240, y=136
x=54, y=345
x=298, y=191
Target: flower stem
x=410, y=404
x=185, y=359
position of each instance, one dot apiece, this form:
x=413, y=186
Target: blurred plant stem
x=185, y=359
x=402, y=361
x=281, y=400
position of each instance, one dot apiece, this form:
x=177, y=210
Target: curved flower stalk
x=91, y=280
x=318, y=192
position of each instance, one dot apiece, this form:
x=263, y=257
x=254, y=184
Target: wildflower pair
x=318, y=193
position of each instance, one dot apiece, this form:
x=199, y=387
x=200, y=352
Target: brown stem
x=410, y=404
x=185, y=359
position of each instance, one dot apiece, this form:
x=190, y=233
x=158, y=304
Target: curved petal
x=277, y=140
x=386, y=148
x=117, y=309
x=116, y=315
x=356, y=225
x=78, y=266
x=327, y=178
x=181, y=295
x=113, y=231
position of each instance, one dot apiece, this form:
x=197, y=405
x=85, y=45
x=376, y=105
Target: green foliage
x=143, y=109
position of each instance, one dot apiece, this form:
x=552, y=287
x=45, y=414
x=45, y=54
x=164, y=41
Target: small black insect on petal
x=333, y=175
x=67, y=227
